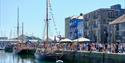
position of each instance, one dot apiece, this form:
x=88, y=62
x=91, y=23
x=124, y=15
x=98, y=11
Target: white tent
x=82, y=39
x=66, y=40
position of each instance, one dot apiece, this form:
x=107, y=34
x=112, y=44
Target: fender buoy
x=59, y=61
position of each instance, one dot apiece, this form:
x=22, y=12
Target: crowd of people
x=97, y=47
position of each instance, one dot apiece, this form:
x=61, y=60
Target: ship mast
x=18, y=23
x=47, y=21
x=22, y=32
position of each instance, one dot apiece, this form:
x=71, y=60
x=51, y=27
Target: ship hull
x=9, y=48
x=48, y=57
x=45, y=57
x=26, y=51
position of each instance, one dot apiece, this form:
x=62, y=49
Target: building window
x=117, y=27
x=95, y=17
x=122, y=26
x=111, y=14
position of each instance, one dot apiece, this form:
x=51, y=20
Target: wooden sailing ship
x=45, y=50
x=22, y=47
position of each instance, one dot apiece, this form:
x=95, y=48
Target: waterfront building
x=118, y=26
x=76, y=27
x=98, y=28
x=67, y=21
x=3, y=38
x=4, y=43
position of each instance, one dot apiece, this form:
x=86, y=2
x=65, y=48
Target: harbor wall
x=93, y=57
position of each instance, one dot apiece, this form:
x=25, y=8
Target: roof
x=8, y=40
x=119, y=20
x=77, y=17
x=73, y=17
x=80, y=17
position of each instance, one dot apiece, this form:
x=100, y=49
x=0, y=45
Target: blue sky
x=32, y=13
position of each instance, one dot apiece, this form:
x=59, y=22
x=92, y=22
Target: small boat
x=2, y=47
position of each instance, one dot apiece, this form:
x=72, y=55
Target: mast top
x=47, y=23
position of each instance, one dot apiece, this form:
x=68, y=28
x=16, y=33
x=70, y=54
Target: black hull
x=26, y=52
x=48, y=57
x=9, y=48
x=1, y=49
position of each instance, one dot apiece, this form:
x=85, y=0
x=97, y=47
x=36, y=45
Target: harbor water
x=12, y=58
x=79, y=57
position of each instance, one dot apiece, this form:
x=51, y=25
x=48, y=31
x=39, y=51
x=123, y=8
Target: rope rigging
x=54, y=23
x=44, y=30
x=52, y=17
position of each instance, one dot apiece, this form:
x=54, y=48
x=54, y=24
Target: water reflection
x=12, y=58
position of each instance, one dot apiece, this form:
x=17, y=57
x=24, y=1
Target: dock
x=93, y=57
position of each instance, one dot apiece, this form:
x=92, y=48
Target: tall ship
x=46, y=50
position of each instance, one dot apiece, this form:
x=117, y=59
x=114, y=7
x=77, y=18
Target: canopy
x=66, y=40
x=82, y=39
